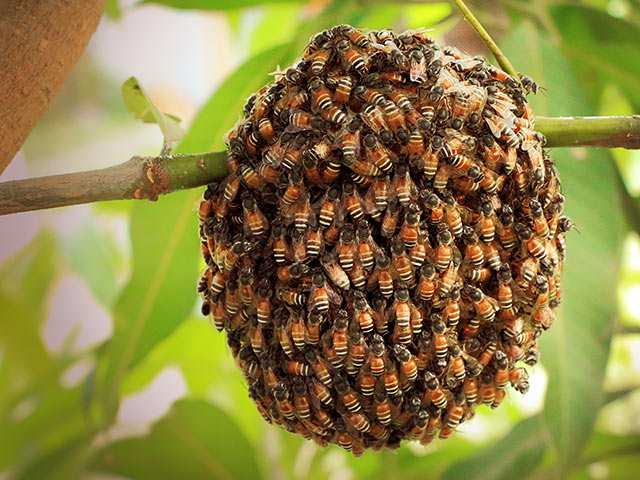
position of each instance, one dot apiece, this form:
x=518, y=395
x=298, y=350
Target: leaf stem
x=501, y=58
x=149, y=177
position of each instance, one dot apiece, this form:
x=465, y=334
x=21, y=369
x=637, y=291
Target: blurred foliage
x=585, y=54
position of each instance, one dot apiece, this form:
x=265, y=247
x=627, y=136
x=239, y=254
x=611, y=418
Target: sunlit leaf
x=141, y=106
x=214, y=4
x=276, y=26
x=575, y=351
x=224, y=108
x=425, y=16
x=195, y=440
x=515, y=455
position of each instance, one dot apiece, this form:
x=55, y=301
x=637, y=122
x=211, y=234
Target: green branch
x=501, y=58
x=623, y=132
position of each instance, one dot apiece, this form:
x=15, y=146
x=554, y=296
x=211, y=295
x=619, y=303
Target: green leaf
x=161, y=292
x=195, y=440
x=141, y=106
x=208, y=369
x=602, y=47
x=224, y=108
x=112, y=10
x=25, y=281
x=214, y=4
x=515, y=455
x=425, y=16
x=39, y=418
x=575, y=350
x=277, y=25
x=94, y=255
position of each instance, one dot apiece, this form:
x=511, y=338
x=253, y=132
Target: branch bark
x=40, y=43
x=150, y=177
x=138, y=178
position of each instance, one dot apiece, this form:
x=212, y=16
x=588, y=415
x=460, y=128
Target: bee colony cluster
x=389, y=242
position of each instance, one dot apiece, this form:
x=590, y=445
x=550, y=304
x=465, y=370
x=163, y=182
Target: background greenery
x=579, y=421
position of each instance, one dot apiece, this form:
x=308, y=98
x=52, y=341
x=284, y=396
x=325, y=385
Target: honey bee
x=540, y=225
x=318, y=367
x=534, y=245
x=335, y=272
x=339, y=336
x=328, y=208
x=402, y=263
x=408, y=366
x=395, y=120
x=343, y=90
x=427, y=284
x=505, y=293
x=322, y=295
x=286, y=408
x=352, y=201
x=353, y=59
x=346, y=395
x=454, y=415
x=519, y=379
x=435, y=394
x=362, y=313
x=390, y=220
x=310, y=164
x=318, y=61
x=377, y=154
x=373, y=117
x=443, y=252
x=302, y=213
x=300, y=120
x=470, y=389
x=377, y=356
x=357, y=352
x=293, y=191
x=506, y=232
x=404, y=187
x=279, y=244
x=320, y=95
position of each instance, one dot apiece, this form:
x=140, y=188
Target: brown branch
x=139, y=178
x=149, y=177
x=40, y=43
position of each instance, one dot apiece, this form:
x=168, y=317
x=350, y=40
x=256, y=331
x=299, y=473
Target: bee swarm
x=388, y=245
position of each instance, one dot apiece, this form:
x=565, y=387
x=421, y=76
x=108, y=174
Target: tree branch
x=138, y=178
x=501, y=58
x=40, y=43
x=150, y=177
x=611, y=132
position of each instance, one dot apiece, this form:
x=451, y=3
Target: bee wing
x=495, y=124
x=418, y=70
x=334, y=297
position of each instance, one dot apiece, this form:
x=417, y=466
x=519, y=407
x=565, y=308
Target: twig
x=611, y=132
x=149, y=177
x=486, y=38
x=138, y=178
